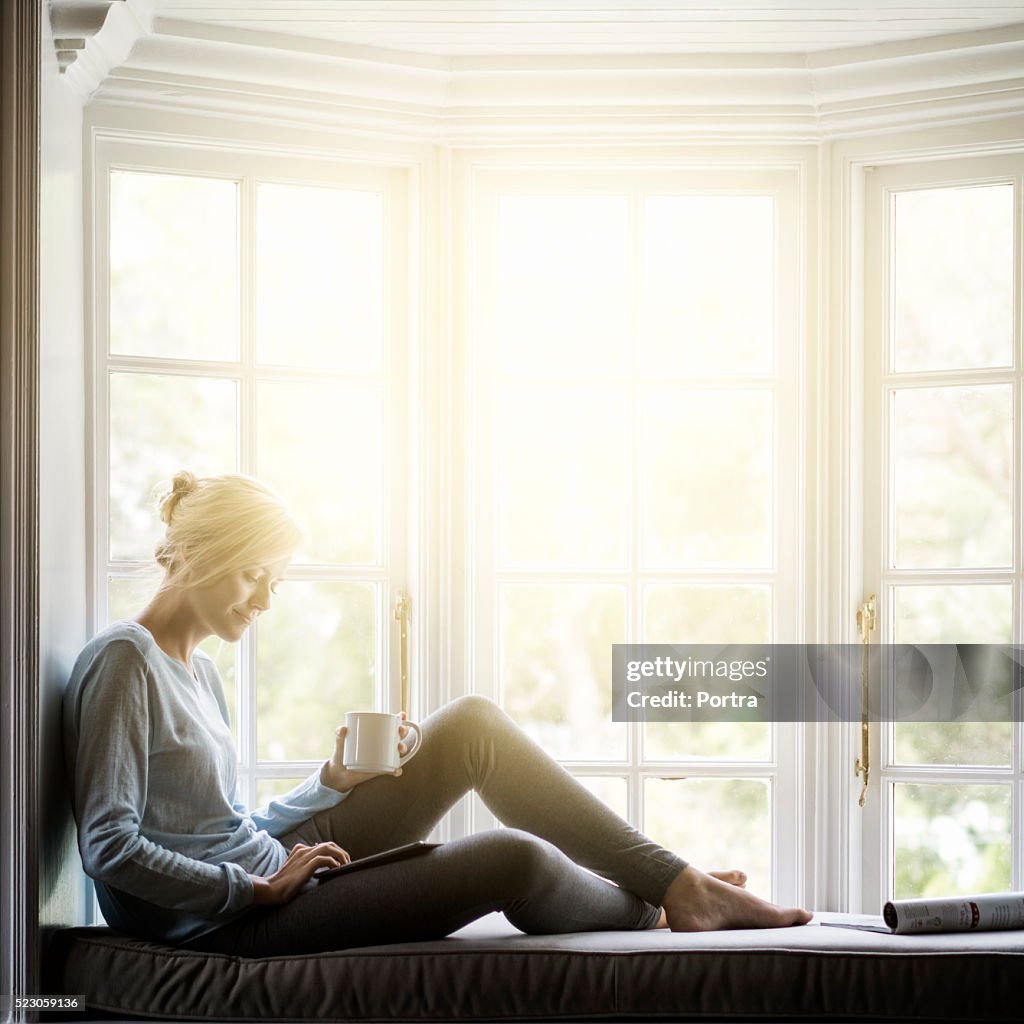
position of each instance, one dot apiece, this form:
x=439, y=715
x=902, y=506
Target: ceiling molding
x=458, y=28
x=206, y=69
x=92, y=37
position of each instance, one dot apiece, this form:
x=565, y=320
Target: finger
x=333, y=848
x=308, y=853
x=397, y=772
x=321, y=861
x=327, y=855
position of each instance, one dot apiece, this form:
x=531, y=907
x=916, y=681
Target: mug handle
x=410, y=754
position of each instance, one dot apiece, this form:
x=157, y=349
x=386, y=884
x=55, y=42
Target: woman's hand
x=302, y=861
x=334, y=773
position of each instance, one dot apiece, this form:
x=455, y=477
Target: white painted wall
x=62, y=562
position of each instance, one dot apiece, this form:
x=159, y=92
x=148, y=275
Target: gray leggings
x=533, y=870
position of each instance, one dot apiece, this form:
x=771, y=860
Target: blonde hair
x=219, y=524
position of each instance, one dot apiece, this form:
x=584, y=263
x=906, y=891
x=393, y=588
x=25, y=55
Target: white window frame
x=881, y=180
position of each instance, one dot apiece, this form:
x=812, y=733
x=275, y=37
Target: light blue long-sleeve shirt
x=153, y=772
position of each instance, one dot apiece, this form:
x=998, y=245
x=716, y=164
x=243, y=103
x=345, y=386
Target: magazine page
x=987, y=912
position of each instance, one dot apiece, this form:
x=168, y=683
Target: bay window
x=604, y=435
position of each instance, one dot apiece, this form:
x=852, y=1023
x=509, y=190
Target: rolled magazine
x=984, y=913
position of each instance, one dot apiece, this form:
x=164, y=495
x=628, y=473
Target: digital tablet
x=384, y=857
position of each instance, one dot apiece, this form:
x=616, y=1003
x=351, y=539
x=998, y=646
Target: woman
x=178, y=859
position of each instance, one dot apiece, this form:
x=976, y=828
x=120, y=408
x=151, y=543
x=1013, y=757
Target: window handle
x=401, y=614
x=866, y=623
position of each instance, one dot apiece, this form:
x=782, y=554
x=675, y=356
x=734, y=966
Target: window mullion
x=635, y=591
x=246, y=667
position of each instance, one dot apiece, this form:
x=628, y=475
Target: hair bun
x=182, y=485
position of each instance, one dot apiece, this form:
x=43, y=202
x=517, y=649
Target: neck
x=173, y=624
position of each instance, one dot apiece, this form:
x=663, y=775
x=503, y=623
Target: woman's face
x=229, y=605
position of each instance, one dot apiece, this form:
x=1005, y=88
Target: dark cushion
x=490, y=971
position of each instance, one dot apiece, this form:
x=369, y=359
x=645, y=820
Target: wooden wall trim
x=20, y=52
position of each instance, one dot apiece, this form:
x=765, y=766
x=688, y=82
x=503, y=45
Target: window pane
x=127, y=596
x=702, y=614
x=319, y=277
x=556, y=646
x=707, y=478
x=707, y=614
x=610, y=789
x=952, y=476
x=268, y=789
x=707, y=741
x=709, y=285
x=951, y=840
x=320, y=447
x=173, y=266
x=952, y=257
x=563, y=476
x=716, y=824
x=158, y=425
x=563, y=296
x=950, y=614
x=953, y=614
x=953, y=743
x=300, y=701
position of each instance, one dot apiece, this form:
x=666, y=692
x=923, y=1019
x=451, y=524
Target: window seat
x=490, y=971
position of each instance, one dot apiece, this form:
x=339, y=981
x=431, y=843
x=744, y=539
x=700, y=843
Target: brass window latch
x=401, y=614
x=866, y=623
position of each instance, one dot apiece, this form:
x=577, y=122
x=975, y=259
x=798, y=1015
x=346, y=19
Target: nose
x=260, y=599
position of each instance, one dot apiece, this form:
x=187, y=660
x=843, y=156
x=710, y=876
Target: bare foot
x=699, y=902
x=733, y=877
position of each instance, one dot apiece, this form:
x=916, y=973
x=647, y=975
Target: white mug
x=371, y=741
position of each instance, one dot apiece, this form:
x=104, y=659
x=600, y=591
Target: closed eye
x=254, y=578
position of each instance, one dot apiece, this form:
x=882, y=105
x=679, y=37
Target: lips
x=248, y=620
